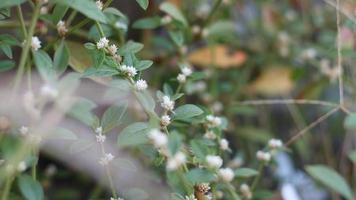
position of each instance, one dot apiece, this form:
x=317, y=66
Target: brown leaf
x=218, y=55
x=272, y=81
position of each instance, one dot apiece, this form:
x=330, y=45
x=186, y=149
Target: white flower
x=224, y=144
x=21, y=166
x=214, y=161
x=196, y=29
x=275, y=143
x=100, y=138
x=181, y=78
x=158, y=138
x=44, y=10
x=245, y=190
x=102, y=43
x=35, y=43
x=263, y=156
x=61, y=28
x=99, y=130
x=167, y=103
x=165, y=120
x=49, y=91
x=190, y=197
x=187, y=71
x=226, y=174
x=99, y=4
x=176, y=161
x=210, y=135
x=112, y=49
x=166, y=19
x=213, y=121
x=108, y=157
x=309, y=54
x=128, y=70
x=23, y=130
x=141, y=85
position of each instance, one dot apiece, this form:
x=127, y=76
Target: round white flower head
x=214, y=161
x=213, y=121
x=102, y=43
x=35, y=43
x=263, y=156
x=166, y=19
x=226, y=174
x=158, y=138
x=190, y=197
x=167, y=103
x=210, y=135
x=245, y=190
x=100, y=138
x=21, y=167
x=275, y=143
x=99, y=130
x=49, y=91
x=141, y=85
x=112, y=49
x=99, y=4
x=61, y=28
x=196, y=29
x=23, y=130
x=176, y=161
x=224, y=144
x=165, y=120
x=106, y=159
x=130, y=71
x=181, y=78
x=187, y=71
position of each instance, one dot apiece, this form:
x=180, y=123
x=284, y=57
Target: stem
x=22, y=21
x=7, y=188
x=26, y=49
x=108, y=174
x=339, y=57
x=34, y=166
x=258, y=177
x=232, y=192
x=102, y=34
x=212, y=12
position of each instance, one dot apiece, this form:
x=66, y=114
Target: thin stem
x=22, y=21
x=258, y=177
x=108, y=174
x=287, y=101
x=34, y=166
x=26, y=49
x=339, y=58
x=7, y=188
x=310, y=126
x=212, y=12
x=232, y=192
x=101, y=31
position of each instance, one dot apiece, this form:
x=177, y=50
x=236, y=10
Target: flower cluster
x=185, y=72
x=61, y=28
x=213, y=121
x=106, y=159
x=35, y=43
x=273, y=145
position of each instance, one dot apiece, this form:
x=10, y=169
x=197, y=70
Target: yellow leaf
x=217, y=55
x=272, y=81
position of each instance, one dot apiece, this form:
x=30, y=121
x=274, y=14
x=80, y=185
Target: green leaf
x=331, y=179
x=143, y=3
x=133, y=134
x=112, y=117
x=350, y=121
x=61, y=58
x=177, y=37
x=130, y=47
x=6, y=65
x=174, y=142
x=143, y=64
x=86, y=7
x=352, y=156
x=62, y=134
x=7, y=50
x=198, y=175
x=9, y=3
x=81, y=110
x=146, y=100
x=97, y=57
x=245, y=172
x=187, y=111
x=30, y=189
x=147, y=23
x=9, y=39
x=199, y=149
x=44, y=64
x=58, y=13
x=173, y=11
x=100, y=72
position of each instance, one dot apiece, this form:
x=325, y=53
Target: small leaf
x=199, y=149
x=44, y=64
x=9, y=39
x=112, y=117
x=174, y=142
x=330, y=178
x=103, y=71
x=81, y=110
x=9, y=3
x=97, y=57
x=146, y=100
x=61, y=58
x=143, y=64
x=147, y=23
x=58, y=13
x=187, y=111
x=133, y=134
x=350, y=121
x=173, y=11
x=6, y=65
x=130, y=47
x=7, y=50
x=198, y=175
x=245, y=172
x=143, y=3
x=352, y=156
x=30, y=189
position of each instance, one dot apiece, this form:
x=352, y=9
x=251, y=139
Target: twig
x=310, y=126
x=287, y=101
x=339, y=58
